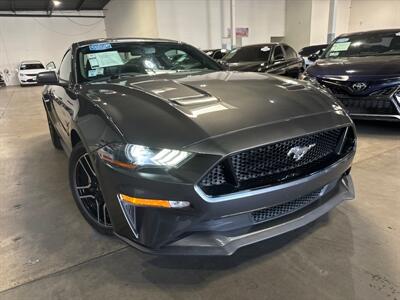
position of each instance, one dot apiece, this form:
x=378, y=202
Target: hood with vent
x=176, y=110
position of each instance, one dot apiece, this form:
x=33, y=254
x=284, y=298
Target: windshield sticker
x=93, y=61
x=100, y=71
x=333, y=54
x=342, y=40
x=340, y=46
x=100, y=47
x=105, y=59
x=265, y=49
x=92, y=73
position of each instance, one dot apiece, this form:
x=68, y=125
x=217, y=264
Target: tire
x=86, y=191
x=55, y=139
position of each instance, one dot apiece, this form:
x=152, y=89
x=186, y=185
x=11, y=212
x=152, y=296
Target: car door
x=63, y=98
x=294, y=63
x=277, y=64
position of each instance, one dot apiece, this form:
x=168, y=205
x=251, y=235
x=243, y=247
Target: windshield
x=103, y=60
x=248, y=53
x=31, y=66
x=368, y=44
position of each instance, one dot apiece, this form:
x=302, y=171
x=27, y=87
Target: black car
x=173, y=154
x=272, y=58
x=362, y=70
x=217, y=54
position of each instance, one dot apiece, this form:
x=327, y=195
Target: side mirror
x=49, y=78
x=51, y=66
x=313, y=57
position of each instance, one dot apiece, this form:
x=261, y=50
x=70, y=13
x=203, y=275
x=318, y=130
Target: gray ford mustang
x=175, y=155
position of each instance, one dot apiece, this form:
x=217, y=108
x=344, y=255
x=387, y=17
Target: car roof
x=370, y=32
x=116, y=40
x=26, y=62
x=260, y=45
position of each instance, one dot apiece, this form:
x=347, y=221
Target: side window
x=278, y=54
x=65, y=67
x=179, y=59
x=290, y=53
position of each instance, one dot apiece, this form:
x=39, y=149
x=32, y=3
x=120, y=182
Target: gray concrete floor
x=47, y=251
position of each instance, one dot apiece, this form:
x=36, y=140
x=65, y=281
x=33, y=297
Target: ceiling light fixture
x=56, y=3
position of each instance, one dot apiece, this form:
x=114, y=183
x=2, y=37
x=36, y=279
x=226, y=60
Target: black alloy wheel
x=86, y=190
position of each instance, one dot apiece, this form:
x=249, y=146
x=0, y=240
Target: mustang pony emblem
x=298, y=152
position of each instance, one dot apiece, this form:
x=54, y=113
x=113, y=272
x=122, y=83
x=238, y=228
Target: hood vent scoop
x=176, y=92
x=194, y=100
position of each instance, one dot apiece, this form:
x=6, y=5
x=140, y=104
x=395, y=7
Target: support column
x=332, y=21
x=233, y=23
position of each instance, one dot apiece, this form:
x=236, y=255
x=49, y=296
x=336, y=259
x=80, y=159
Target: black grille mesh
x=383, y=106
x=268, y=214
x=271, y=164
x=274, y=159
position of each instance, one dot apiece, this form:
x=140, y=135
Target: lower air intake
x=268, y=214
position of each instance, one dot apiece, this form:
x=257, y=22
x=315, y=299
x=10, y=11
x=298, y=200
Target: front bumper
x=212, y=227
x=27, y=81
x=226, y=243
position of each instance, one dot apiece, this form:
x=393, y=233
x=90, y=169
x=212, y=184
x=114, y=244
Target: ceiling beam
x=79, y=6
x=47, y=16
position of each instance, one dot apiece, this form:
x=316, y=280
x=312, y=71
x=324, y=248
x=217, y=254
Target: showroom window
x=65, y=67
x=290, y=53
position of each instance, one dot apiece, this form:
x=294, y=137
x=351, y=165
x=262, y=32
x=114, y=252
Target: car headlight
x=132, y=156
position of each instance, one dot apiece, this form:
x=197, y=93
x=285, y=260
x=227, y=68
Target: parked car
x=2, y=82
x=362, y=70
x=311, y=50
x=272, y=58
x=28, y=70
x=183, y=157
x=217, y=54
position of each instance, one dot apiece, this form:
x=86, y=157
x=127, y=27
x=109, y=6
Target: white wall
x=203, y=23
x=319, y=22
x=307, y=20
x=373, y=14
x=342, y=16
x=131, y=18
x=264, y=18
x=298, y=23
x=197, y=22
x=42, y=38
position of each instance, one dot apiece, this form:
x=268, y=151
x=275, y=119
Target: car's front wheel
x=86, y=190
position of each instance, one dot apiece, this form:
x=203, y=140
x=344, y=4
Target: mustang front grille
x=278, y=162
x=274, y=212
